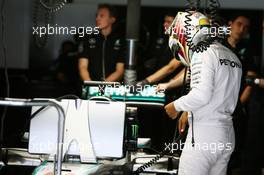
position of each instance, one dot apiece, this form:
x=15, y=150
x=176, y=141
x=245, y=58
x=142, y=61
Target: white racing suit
x=215, y=82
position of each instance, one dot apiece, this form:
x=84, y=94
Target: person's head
x=195, y=31
x=168, y=19
x=239, y=27
x=105, y=16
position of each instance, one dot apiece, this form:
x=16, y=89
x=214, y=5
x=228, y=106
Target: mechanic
x=102, y=58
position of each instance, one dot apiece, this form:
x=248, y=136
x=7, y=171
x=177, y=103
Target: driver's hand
x=183, y=122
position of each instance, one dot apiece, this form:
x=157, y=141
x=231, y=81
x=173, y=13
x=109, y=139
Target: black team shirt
x=245, y=55
x=103, y=54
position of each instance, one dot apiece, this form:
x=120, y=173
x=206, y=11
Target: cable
x=198, y=4
x=150, y=163
x=55, y=7
x=68, y=147
x=4, y=48
x=205, y=7
x=58, y=99
x=41, y=8
x=202, y=45
x=156, y=158
x=192, y=130
x=37, y=12
x=3, y=116
x=186, y=81
x=185, y=90
x=43, y=107
x=67, y=96
x=213, y=8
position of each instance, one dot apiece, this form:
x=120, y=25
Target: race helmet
x=186, y=31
